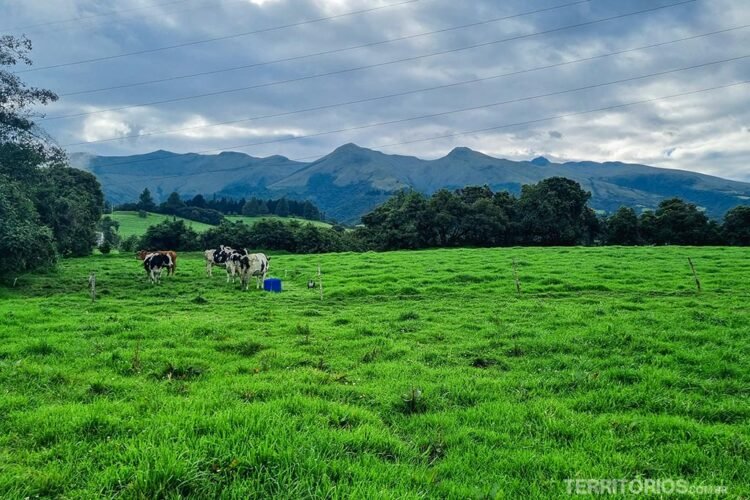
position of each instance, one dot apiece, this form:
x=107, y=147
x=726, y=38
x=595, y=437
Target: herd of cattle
x=238, y=263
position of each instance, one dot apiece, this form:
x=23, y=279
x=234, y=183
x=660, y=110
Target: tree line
x=554, y=211
x=212, y=211
x=47, y=209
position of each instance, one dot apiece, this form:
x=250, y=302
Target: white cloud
x=703, y=131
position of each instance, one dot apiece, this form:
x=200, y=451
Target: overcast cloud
x=707, y=132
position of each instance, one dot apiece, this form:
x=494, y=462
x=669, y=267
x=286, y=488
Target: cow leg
x=261, y=279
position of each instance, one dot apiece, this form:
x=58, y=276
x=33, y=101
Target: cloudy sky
x=301, y=77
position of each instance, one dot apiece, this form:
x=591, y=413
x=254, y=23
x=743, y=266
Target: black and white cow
x=154, y=263
x=253, y=264
x=233, y=263
x=217, y=257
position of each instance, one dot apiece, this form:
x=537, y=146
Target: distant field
x=131, y=224
x=253, y=220
x=420, y=374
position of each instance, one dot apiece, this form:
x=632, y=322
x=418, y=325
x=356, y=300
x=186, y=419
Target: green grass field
x=132, y=224
x=253, y=220
x=420, y=374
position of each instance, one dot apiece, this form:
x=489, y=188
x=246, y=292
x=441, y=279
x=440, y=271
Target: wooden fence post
x=695, y=274
x=92, y=286
x=515, y=277
x=320, y=281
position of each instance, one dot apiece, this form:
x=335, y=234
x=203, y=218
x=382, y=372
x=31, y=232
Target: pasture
x=420, y=374
x=131, y=224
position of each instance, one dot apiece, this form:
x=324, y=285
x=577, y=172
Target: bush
x=142, y=214
x=170, y=235
x=105, y=248
x=205, y=215
x=130, y=244
x=25, y=244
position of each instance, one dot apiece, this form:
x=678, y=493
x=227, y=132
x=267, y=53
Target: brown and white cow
x=172, y=255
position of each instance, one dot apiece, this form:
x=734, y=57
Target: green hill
x=132, y=224
x=254, y=220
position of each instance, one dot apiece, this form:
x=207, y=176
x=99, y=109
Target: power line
x=528, y=98
x=215, y=39
x=326, y=52
x=369, y=66
x=93, y=16
x=410, y=92
x=557, y=117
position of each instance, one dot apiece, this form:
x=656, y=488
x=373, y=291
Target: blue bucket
x=272, y=285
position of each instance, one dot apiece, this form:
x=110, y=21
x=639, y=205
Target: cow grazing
x=253, y=264
x=172, y=255
x=154, y=263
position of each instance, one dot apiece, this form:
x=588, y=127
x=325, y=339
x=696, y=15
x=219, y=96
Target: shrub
x=170, y=235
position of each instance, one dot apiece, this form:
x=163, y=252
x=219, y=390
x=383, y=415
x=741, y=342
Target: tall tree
x=25, y=244
x=173, y=204
x=282, y=208
x=68, y=201
x=555, y=212
x=736, y=226
x=681, y=223
x=622, y=227
x=146, y=201
x=399, y=223
x=198, y=201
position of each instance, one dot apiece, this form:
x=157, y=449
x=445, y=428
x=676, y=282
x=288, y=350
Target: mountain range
x=352, y=180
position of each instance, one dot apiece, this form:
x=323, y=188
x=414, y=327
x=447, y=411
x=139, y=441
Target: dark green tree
x=282, y=208
x=146, y=201
x=198, y=201
x=173, y=204
x=402, y=222
x=681, y=223
x=25, y=243
x=622, y=228
x=736, y=228
x=555, y=212
x=170, y=235
x=68, y=201
x=263, y=208
x=252, y=207
x=310, y=211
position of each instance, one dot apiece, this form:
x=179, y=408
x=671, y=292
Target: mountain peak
x=350, y=147
x=540, y=161
x=462, y=152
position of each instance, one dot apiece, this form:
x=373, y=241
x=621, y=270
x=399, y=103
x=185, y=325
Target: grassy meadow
x=131, y=224
x=419, y=374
